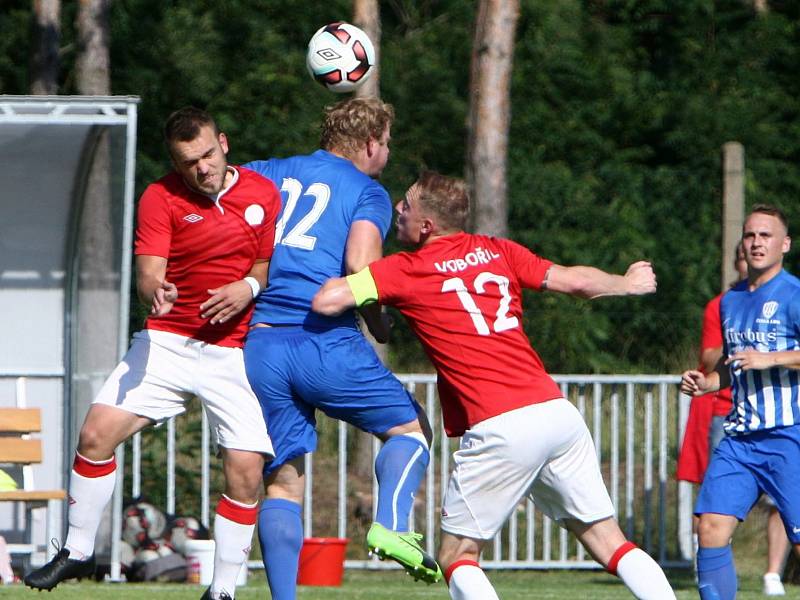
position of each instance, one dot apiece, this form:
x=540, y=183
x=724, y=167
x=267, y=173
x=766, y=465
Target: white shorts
x=162, y=371
x=543, y=451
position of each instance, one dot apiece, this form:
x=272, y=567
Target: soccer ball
x=182, y=529
x=142, y=522
x=340, y=56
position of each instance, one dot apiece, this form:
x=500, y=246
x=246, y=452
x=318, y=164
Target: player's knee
x=713, y=532
x=243, y=475
x=243, y=486
x=94, y=442
x=286, y=482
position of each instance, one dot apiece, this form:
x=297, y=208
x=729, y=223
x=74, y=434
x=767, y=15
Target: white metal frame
x=103, y=111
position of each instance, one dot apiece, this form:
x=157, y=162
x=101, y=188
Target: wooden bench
x=19, y=449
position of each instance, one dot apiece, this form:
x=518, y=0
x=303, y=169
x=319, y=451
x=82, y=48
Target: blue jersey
x=322, y=195
x=766, y=320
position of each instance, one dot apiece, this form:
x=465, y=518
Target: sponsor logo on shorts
x=795, y=529
x=444, y=512
x=193, y=218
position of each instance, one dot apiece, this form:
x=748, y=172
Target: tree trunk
x=490, y=113
x=98, y=271
x=93, y=63
x=93, y=79
x=46, y=37
x=366, y=15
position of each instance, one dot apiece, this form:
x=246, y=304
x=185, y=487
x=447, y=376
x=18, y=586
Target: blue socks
x=399, y=467
x=716, y=573
x=280, y=534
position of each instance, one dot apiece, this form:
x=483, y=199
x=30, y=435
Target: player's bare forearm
x=152, y=285
x=590, y=282
x=696, y=383
x=260, y=272
x=709, y=358
x=151, y=273
x=753, y=360
x=227, y=301
x=333, y=298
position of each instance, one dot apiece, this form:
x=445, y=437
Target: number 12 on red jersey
x=503, y=320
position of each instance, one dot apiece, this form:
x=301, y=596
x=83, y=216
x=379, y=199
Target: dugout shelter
x=66, y=221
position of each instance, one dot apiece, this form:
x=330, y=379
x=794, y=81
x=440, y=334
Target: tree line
x=618, y=111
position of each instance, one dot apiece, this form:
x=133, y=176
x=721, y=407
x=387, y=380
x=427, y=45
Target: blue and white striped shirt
x=766, y=320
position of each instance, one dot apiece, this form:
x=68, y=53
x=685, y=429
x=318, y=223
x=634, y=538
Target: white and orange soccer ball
x=340, y=56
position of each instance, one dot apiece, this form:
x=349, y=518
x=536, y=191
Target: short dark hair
x=184, y=124
x=446, y=197
x=773, y=211
x=350, y=124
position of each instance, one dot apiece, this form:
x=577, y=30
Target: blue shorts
x=745, y=466
x=294, y=371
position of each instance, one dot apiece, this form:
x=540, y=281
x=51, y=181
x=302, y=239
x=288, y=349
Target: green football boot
x=405, y=549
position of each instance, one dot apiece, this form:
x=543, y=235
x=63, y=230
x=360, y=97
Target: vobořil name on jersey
x=479, y=256
x=764, y=320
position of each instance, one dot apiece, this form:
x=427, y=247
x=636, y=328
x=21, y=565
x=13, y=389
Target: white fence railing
x=636, y=422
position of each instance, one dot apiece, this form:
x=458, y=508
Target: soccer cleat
x=223, y=595
x=62, y=567
x=773, y=585
x=403, y=548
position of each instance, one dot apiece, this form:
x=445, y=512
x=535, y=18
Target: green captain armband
x=362, y=285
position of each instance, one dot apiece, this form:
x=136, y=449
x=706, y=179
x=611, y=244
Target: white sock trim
x=95, y=462
x=238, y=503
x=420, y=437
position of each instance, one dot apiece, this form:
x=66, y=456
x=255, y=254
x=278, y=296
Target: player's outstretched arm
x=590, y=282
x=333, y=298
x=151, y=285
x=232, y=298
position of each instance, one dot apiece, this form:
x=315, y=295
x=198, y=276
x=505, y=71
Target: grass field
x=517, y=585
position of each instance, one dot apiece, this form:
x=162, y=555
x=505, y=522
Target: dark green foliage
x=620, y=109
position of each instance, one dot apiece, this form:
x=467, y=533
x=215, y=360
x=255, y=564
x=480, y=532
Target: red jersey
x=711, y=337
x=694, y=454
x=207, y=244
x=461, y=294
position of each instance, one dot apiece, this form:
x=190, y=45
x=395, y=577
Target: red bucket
x=322, y=561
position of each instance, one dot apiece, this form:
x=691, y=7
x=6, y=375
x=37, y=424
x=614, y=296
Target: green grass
x=359, y=585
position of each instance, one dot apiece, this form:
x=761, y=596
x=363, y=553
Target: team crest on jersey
x=254, y=214
x=193, y=218
x=769, y=309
